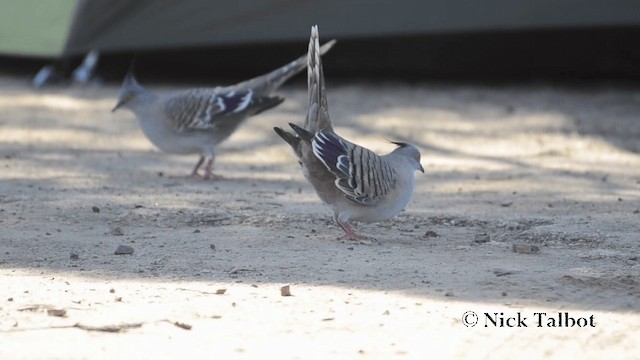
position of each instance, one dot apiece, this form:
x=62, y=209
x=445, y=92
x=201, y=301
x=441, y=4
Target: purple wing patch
x=234, y=102
x=332, y=151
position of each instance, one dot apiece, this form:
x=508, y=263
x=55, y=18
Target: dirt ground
x=510, y=169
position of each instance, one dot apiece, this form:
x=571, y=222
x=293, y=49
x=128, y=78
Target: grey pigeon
x=86, y=71
x=197, y=120
x=355, y=182
x=48, y=75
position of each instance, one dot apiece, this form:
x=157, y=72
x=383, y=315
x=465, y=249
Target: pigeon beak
x=421, y=168
x=116, y=107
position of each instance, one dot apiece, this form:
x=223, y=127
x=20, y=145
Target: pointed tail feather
x=266, y=103
x=267, y=83
x=318, y=112
x=290, y=138
x=304, y=134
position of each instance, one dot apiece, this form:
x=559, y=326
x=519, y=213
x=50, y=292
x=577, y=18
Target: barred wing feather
x=362, y=175
x=198, y=109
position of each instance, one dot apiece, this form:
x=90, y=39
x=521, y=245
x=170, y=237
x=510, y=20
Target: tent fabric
x=126, y=25
x=414, y=38
x=74, y=27
x=35, y=28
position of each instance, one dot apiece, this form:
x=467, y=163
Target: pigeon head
x=132, y=94
x=411, y=152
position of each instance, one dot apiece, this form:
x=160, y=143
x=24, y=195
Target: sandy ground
x=553, y=168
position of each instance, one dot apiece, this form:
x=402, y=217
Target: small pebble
x=449, y=294
x=501, y=272
x=506, y=203
x=183, y=325
x=117, y=231
x=431, y=234
x=74, y=256
x=112, y=290
x=57, y=312
x=525, y=248
x=196, y=231
x=285, y=290
x=123, y=250
x=95, y=209
x=221, y=291
x=481, y=238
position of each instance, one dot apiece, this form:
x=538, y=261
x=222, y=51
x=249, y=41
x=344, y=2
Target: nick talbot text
x=538, y=319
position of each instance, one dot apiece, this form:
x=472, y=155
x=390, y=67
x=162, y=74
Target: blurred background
x=200, y=41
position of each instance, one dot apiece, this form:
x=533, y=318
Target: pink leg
x=349, y=234
x=194, y=173
x=208, y=171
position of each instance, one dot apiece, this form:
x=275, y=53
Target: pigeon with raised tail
x=355, y=182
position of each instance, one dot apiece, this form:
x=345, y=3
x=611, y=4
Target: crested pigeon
x=356, y=183
x=86, y=71
x=48, y=75
x=197, y=120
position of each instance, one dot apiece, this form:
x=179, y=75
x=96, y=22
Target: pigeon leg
x=194, y=173
x=208, y=171
x=349, y=234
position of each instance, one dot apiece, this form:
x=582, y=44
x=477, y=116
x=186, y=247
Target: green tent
x=35, y=27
